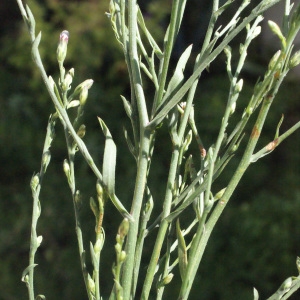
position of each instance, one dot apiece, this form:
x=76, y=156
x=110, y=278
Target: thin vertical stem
x=144, y=149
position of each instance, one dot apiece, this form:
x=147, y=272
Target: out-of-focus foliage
x=256, y=242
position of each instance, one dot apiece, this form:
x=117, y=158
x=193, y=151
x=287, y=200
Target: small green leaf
x=182, y=251
x=109, y=159
x=278, y=127
x=35, y=46
x=129, y=143
x=177, y=78
x=127, y=107
x=31, y=21
x=94, y=258
x=26, y=271
x=255, y=294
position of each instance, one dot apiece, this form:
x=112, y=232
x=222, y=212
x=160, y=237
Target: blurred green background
x=256, y=242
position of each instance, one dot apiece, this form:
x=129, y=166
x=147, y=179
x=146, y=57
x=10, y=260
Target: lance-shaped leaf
x=108, y=170
x=255, y=294
x=182, y=251
x=177, y=79
x=109, y=159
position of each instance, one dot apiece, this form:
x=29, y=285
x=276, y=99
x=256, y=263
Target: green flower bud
x=66, y=168
x=118, y=248
x=83, y=96
x=51, y=83
x=39, y=240
x=124, y=227
x=84, y=85
x=168, y=279
x=276, y=30
x=62, y=46
x=46, y=159
x=122, y=256
x=66, y=85
x=99, y=189
x=295, y=60
x=35, y=180
x=98, y=246
x=91, y=285
x=219, y=194
x=81, y=131
x=232, y=107
x=274, y=60
x=238, y=87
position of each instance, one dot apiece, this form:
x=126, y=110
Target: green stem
x=259, y=9
x=244, y=164
x=144, y=148
x=164, y=65
x=163, y=225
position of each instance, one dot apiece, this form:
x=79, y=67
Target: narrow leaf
x=127, y=107
x=26, y=271
x=255, y=294
x=129, y=143
x=109, y=159
x=177, y=78
x=182, y=251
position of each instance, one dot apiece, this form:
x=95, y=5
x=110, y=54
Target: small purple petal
x=64, y=36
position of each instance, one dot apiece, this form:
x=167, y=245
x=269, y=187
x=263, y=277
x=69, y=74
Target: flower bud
x=274, y=60
x=276, y=30
x=83, y=96
x=81, y=131
x=39, y=240
x=35, y=180
x=98, y=246
x=66, y=168
x=62, y=46
x=295, y=60
x=66, y=85
x=51, y=83
x=86, y=84
x=118, y=248
x=122, y=256
x=238, y=87
x=168, y=279
x=91, y=285
x=219, y=194
x=99, y=189
x=124, y=227
x=46, y=159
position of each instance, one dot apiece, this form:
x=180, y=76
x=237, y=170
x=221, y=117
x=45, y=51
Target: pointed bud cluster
x=276, y=30
x=81, y=131
x=168, y=279
x=66, y=85
x=62, y=46
x=274, y=60
x=82, y=91
x=35, y=180
x=123, y=229
x=91, y=285
x=98, y=245
x=46, y=159
x=295, y=60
